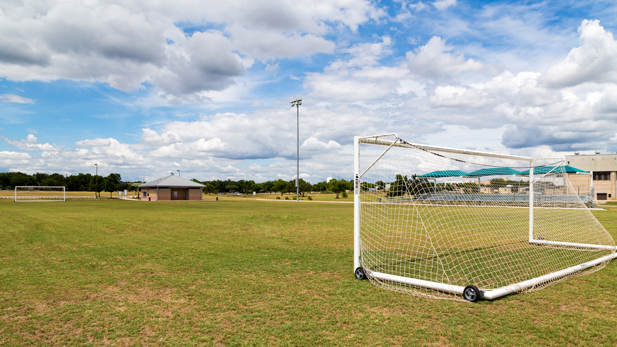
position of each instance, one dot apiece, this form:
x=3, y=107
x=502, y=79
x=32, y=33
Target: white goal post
x=39, y=193
x=467, y=225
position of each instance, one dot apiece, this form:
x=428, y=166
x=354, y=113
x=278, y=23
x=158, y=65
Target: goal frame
x=443, y=287
x=35, y=199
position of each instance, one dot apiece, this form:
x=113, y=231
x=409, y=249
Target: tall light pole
x=297, y=103
x=96, y=181
x=178, y=173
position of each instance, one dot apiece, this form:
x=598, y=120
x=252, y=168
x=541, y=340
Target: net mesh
x=39, y=193
x=463, y=220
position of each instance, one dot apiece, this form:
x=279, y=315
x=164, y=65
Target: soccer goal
x=467, y=225
x=39, y=193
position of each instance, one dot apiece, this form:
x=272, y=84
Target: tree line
x=336, y=186
x=74, y=183
x=113, y=182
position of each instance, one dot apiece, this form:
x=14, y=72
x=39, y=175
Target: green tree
x=267, y=186
x=97, y=184
x=54, y=180
x=380, y=185
x=110, y=183
x=305, y=187
x=290, y=187
x=337, y=186
x=321, y=186
x=414, y=186
x=39, y=177
x=79, y=182
x=210, y=187
x=499, y=182
x=280, y=186
x=21, y=179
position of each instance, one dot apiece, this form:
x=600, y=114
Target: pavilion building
x=171, y=188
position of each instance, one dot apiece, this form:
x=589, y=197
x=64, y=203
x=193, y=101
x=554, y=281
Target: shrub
x=278, y=198
x=344, y=194
x=286, y=198
x=310, y=198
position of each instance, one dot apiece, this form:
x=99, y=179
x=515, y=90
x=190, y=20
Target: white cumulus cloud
x=594, y=61
x=129, y=44
x=434, y=60
x=12, y=98
x=443, y=4
x=30, y=143
x=94, y=143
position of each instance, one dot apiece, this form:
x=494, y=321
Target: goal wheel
x=471, y=293
x=360, y=273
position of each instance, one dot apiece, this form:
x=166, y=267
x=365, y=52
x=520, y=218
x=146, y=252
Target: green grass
x=114, y=272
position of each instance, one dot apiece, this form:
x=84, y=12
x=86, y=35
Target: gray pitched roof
x=172, y=182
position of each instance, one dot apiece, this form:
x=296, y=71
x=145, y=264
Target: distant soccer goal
x=467, y=225
x=39, y=193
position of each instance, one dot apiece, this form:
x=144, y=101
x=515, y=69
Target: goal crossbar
x=378, y=140
x=489, y=294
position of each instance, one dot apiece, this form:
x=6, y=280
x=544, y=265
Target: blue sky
x=202, y=86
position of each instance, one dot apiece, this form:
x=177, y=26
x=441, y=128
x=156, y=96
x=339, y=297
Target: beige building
x=171, y=188
x=602, y=169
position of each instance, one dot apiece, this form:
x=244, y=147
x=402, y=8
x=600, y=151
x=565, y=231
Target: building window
x=602, y=176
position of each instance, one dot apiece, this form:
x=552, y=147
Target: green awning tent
x=444, y=173
x=545, y=169
x=499, y=171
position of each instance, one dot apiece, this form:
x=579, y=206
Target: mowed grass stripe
x=247, y=273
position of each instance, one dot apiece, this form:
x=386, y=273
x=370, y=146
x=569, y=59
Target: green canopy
x=444, y=173
x=546, y=169
x=498, y=171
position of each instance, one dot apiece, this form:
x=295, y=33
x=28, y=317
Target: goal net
x=459, y=224
x=39, y=193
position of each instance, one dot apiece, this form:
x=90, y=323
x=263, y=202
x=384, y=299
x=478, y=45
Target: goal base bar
x=572, y=244
x=494, y=293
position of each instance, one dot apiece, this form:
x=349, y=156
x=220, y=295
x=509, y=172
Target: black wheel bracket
x=471, y=293
x=360, y=273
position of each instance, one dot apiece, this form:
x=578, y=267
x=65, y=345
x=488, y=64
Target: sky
x=144, y=88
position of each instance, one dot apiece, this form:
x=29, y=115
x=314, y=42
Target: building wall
x=598, y=163
x=593, y=162
x=195, y=194
x=167, y=194
x=178, y=193
x=581, y=183
x=164, y=194
x=150, y=194
x=606, y=187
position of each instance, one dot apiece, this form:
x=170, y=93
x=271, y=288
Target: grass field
x=232, y=272
x=291, y=197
